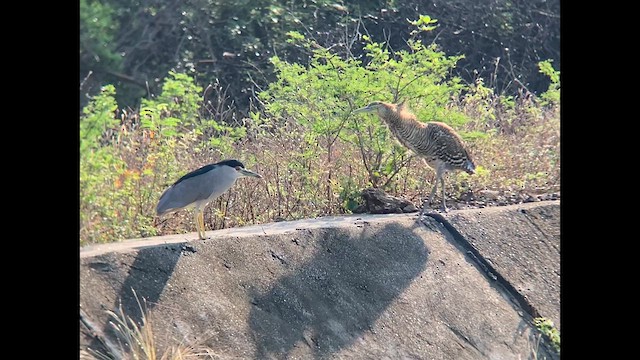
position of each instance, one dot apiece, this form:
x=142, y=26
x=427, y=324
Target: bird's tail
x=470, y=168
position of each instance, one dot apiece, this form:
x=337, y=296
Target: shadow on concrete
x=147, y=278
x=336, y=297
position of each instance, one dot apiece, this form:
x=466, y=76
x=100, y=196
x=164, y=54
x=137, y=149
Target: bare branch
x=127, y=78
x=397, y=171
x=85, y=79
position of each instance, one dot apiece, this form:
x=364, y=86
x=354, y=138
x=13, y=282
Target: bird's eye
x=238, y=168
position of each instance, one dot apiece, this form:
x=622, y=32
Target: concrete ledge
x=521, y=245
x=246, y=231
x=362, y=287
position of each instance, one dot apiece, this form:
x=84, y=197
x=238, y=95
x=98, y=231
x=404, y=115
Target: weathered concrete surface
x=522, y=244
x=354, y=287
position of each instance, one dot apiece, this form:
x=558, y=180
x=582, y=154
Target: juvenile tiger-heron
x=436, y=142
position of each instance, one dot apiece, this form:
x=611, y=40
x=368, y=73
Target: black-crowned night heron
x=435, y=142
x=201, y=186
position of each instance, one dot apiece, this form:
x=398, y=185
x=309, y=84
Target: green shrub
x=314, y=154
x=322, y=96
x=127, y=162
x=552, y=95
x=547, y=328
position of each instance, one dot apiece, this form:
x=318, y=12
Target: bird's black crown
x=232, y=162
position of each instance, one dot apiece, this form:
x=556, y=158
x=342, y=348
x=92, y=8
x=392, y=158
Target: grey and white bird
x=199, y=187
x=436, y=142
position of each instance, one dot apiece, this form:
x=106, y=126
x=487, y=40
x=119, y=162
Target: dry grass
x=137, y=341
x=524, y=158
x=520, y=154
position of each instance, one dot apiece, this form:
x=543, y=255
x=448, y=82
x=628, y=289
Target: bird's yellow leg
x=196, y=220
x=201, y=231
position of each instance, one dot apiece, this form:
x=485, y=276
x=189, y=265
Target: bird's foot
x=426, y=209
x=423, y=208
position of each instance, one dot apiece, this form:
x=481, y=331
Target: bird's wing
x=184, y=193
x=449, y=144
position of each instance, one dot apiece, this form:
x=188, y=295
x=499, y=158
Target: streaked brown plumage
x=436, y=142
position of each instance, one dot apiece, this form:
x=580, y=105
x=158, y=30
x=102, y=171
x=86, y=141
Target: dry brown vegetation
x=517, y=155
x=521, y=157
x=136, y=341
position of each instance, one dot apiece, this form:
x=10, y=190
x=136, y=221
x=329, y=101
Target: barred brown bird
x=436, y=142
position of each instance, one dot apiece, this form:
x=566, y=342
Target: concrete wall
x=461, y=285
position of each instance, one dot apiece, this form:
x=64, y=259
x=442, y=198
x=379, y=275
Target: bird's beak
x=362, y=109
x=250, y=173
